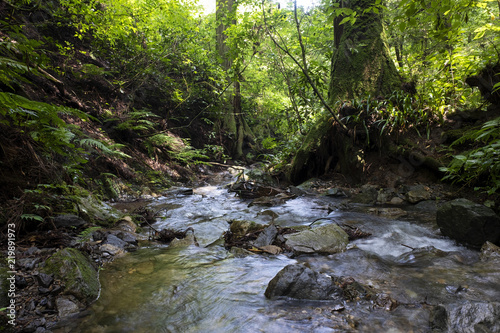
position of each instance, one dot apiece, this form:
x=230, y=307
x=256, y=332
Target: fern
x=103, y=148
x=481, y=162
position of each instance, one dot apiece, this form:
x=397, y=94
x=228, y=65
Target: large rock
x=76, y=272
x=468, y=222
x=328, y=238
x=301, y=282
x=418, y=193
x=468, y=317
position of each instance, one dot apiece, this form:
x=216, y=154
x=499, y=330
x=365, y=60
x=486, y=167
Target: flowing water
x=208, y=289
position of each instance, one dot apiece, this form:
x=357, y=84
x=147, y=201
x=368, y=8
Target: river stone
x=190, y=239
x=490, y=251
x=328, y=238
x=44, y=280
x=468, y=222
x=113, y=245
x=266, y=237
x=66, y=307
x=76, y=272
x=474, y=317
x=126, y=224
x=301, y=282
x=243, y=227
x=418, y=193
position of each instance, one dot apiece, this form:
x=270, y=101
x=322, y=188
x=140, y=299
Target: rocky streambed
x=258, y=257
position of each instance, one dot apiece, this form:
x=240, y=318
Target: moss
x=77, y=273
x=362, y=64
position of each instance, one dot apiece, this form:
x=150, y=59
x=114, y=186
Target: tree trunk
x=233, y=123
x=361, y=66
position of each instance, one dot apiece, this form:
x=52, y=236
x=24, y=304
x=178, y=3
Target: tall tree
x=361, y=66
x=233, y=122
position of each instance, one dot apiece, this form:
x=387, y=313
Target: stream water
x=207, y=289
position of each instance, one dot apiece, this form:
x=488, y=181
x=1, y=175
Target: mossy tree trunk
x=233, y=122
x=361, y=66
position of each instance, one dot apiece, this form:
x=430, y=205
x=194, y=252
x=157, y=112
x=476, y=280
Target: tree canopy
x=129, y=80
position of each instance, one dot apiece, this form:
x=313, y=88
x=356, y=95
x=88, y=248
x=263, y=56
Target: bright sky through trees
x=209, y=5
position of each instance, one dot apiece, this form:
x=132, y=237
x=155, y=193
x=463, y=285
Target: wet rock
x=468, y=222
x=243, y=227
x=268, y=214
x=113, y=245
x=271, y=249
x=368, y=195
x=127, y=237
x=418, y=193
x=438, y=318
x=183, y=191
x=266, y=237
x=68, y=221
x=126, y=224
x=44, y=280
x=335, y=193
x=238, y=252
x=267, y=201
x=391, y=212
x=490, y=251
x=328, y=238
x=385, y=195
x=76, y=272
x=473, y=317
x=190, y=239
x=66, y=307
x=93, y=209
x=296, y=191
x=396, y=201
x=301, y=282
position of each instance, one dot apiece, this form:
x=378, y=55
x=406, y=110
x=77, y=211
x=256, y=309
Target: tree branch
x=303, y=66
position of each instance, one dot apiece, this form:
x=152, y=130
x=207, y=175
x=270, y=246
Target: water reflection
x=206, y=289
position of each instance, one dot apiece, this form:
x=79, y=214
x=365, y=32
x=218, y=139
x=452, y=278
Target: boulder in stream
x=301, y=282
x=466, y=317
x=328, y=238
x=468, y=222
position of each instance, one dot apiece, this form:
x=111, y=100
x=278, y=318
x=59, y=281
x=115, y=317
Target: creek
x=208, y=289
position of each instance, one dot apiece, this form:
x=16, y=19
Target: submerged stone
x=328, y=238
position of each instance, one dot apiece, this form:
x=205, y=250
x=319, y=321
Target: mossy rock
x=242, y=227
x=77, y=273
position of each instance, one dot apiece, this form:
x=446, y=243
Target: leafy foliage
x=479, y=166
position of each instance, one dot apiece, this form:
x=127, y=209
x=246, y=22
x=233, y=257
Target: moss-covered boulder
x=77, y=273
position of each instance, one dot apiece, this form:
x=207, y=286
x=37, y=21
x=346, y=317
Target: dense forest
x=114, y=99
x=108, y=97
